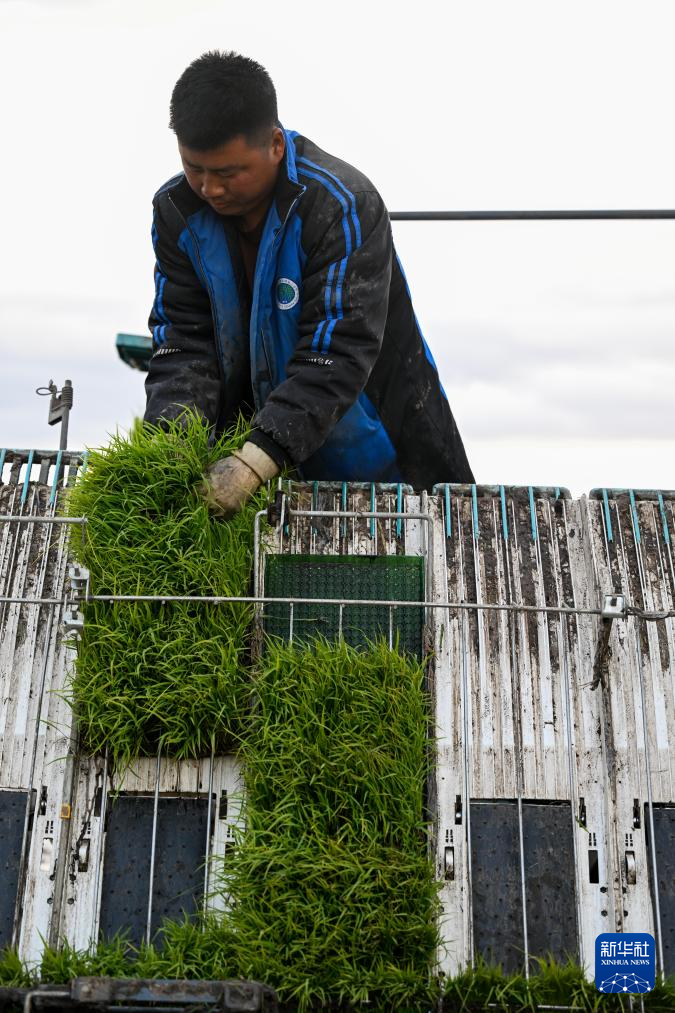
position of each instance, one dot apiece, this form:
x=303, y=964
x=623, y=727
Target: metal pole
x=208, y=834
x=153, y=848
x=529, y=216
x=66, y=405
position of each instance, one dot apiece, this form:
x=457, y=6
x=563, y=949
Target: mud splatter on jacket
x=328, y=354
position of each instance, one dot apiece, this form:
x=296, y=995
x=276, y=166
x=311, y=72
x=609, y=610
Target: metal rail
x=27, y=519
x=532, y=216
x=375, y=602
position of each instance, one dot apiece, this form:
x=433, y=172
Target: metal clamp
x=73, y=619
x=613, y=607
x=79, y=580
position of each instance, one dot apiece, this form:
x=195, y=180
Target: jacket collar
x=287, y=188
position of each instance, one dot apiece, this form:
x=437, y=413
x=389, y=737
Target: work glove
x=230, y=482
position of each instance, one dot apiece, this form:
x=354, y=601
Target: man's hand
x=230, y=482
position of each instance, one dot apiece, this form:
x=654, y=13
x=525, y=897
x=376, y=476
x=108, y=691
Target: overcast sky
x=555, y=341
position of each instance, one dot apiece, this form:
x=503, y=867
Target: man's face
x=236, y=178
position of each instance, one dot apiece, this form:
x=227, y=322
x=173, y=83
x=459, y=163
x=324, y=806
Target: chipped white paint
x=514, y=714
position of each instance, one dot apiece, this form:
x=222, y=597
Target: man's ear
x=278, y=145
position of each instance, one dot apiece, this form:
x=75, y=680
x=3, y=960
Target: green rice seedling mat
x=151, y=675
x=191, y=951
x=335, y=898
x=380, y=578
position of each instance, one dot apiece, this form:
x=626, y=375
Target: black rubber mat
x=179, y=863
x=548, y=860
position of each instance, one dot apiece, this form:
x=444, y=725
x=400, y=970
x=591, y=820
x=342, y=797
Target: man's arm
x=184, y=369
x=345, y=290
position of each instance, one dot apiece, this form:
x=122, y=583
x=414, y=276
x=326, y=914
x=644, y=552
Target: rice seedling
x=205, y=951
x=150, y=675
x=553, y=984
x=13, y=972
x=334, y=895
x=108, y=960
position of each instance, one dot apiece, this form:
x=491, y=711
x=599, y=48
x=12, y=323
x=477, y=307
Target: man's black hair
x=221, y=96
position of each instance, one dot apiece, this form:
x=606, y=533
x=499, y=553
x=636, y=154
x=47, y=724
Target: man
x=279, y=292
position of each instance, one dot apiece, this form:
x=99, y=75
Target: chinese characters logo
x=625, y=962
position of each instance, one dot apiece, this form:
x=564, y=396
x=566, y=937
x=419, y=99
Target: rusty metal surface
x=145, y=993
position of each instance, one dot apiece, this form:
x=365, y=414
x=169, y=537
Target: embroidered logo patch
x=288, y=293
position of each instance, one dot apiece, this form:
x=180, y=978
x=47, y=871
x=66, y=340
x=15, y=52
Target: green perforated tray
x=380, y=578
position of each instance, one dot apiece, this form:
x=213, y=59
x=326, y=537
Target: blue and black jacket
x=326, y=351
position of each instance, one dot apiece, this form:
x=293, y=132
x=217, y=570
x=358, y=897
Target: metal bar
x=260, y=600
x=208, y=834
x=523, y=886
x=399, y=509
x=256, y=546
x=214, y=599
x=98, y=882
x=372, y=509
x=648, y=214
x=391, y=626
x=40, y=993
x=290, y=623
x=341, y=612
x=360, y=514
x=315, y=504
x=9, y=600
x=153, y=848
x=25, y=519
